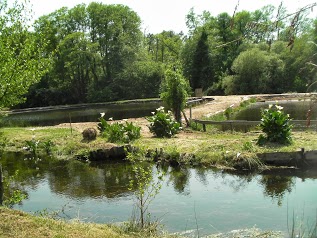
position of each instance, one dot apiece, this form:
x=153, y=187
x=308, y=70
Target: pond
x=295, y=108
x=214, y=200
x=44, y=116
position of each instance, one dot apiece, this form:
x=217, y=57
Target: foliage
x=21, y=64
x=145, y=192
x=256, y=71
x=276, y=125
x=117, y=131
x=3, y=142
x=12, y=196
x=162, y=124
x=47, y=146
x=201, y=75
x=32, y=146
x=91, y=46
x=174, y=92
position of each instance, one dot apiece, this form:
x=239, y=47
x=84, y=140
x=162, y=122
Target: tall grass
x=299, y=227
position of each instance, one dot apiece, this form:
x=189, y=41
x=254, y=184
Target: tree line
x=98, y=52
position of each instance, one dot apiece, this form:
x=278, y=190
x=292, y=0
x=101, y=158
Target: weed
x=47, y=145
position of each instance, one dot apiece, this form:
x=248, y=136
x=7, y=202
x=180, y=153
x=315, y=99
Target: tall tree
x=21, y=63
x=202, y=72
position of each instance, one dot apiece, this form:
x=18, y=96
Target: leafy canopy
x=21, y=63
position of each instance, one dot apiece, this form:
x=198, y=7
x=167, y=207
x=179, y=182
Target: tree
x=255, y=71
x=93, y=49
x=21, y=63
x=175, y=92
x=202, y=72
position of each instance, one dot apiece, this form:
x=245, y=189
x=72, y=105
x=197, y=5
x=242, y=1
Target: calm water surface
x=220, y=201
x=296, y=109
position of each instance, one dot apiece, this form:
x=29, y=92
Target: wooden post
x=190, y=113
x=204, y=127
x=1, y=186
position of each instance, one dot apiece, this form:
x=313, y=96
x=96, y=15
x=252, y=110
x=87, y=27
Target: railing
x=244, y=124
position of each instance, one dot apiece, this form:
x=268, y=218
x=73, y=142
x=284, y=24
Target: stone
x=89, y=134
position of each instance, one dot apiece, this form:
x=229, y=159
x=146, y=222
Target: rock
x=89, y=134
x=115, y=152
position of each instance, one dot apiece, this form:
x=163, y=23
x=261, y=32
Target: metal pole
x=1, y=186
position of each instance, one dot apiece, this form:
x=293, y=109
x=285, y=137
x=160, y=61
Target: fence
x=246, y=125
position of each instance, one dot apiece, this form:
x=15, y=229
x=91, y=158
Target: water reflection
x=217, y=194
x=96, y=180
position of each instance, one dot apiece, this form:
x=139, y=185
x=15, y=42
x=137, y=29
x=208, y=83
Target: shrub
x=162, y=124
x=117, y=131
x=276, y=125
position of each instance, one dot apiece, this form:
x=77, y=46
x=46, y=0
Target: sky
x=159, y=15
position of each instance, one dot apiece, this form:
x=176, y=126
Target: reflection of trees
x=21, y=172
x=275, y=186
x=236, y=179
x=179, y=176
x=80, y=180
x=201, y=174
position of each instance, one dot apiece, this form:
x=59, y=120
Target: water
x=296, y=109
x=80, y=113
x=212, y=199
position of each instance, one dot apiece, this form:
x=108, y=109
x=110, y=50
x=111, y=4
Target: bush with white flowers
x=276, y=126
x=118, y=131
x=162, y=124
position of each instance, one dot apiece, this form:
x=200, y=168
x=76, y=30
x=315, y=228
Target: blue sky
x=170, y=14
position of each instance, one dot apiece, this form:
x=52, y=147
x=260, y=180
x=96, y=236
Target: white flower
x=125, y=120
x=110, y=119
x=102, y=114
x=271, y=105
x=160, y=109
x=279, y=107
x=153, y=113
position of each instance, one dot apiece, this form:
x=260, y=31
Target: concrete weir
x=299, y=159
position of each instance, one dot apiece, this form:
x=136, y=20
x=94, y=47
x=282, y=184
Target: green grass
x=214, y=147
x=18, y=224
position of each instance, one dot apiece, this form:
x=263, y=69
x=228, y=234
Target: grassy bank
x=211, y=148
x=18, y=224
x=194, y=147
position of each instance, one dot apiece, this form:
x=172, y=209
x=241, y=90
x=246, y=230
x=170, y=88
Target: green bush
x=117, y=131
x=162, y=124
x=276, y=125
